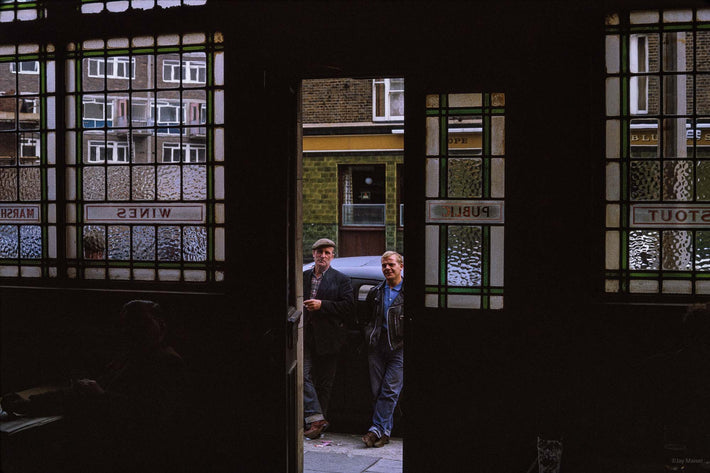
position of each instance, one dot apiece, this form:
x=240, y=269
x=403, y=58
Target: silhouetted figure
x=125, y=420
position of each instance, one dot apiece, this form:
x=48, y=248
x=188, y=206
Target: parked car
x=350, y=408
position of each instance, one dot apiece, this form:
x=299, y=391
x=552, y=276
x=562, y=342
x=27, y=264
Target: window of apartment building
x=189, y=71
x=112, y=68
x=388, y=99
x=141, y=207
x=28, y=208
x=25, y=67
x=107, y=151
x=363, y=195
x=658, y=152
x=465, y=191
x=188, y=153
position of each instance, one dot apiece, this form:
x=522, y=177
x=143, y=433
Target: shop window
x=465, y=176
x=657, y=150
x=141, y=207
x=363, y=195
x=28, y=208
x=388, y=99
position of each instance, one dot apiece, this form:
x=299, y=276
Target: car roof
x=361, y=267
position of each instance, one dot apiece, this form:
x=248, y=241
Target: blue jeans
x=318, y=376
x=386, y=381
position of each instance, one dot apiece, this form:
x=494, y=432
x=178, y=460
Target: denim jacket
x=395, y=317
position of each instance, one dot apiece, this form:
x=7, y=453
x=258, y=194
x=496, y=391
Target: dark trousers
x=318, y=377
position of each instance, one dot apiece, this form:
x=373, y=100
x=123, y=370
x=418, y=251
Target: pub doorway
x=352, y=165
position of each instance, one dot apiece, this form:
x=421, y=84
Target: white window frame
x=98, y=66
x=190, y=153
x=22, y=65
x=29, y=142
x=107, y=109
x=638, y=86
x=388, y=91
x=111, y=149
x=197, y=69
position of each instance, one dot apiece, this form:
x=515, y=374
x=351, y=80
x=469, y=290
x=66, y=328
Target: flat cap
x=323, y=243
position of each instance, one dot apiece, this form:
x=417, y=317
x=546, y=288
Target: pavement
x=345, y=453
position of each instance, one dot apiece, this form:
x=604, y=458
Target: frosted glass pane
x=169, y=274
x=8, y=184
x=432, y=136
x=219, y=144
x=613, y=190
x=497, y=178
x=702, y=287
x=9, y=271
x=676, y=16
x=645, y=180
x=194, y=243
x=195, y=183
x=94, y=183
x=119, y=273
x=432, y=177
x=612, y=250
x=677, y=250
x=497, y=256
x=644, y=17
x=169, y=182
x=463, y=301
x=52, y=213
x=219, y=244
x=702, y=251
x=143, y=182
x=612, y=96
x=94, y=242
x=703, y=14
x=432, y=101
x=118, y=182
x=678, y=180
x=612, y=54
x=463, y=256
x=8, y=241
x=169, y=243
x=30, y=185
x=702, y=176
x=219, y=107
x=677, y=287
x=119, y=242
x=51, y=148
x=70, y=180
x=52, y=243
x=465, y=100
x=613, y=138
x=143, y=243
x=498, y=136
x=95, y=273
x=498, y=99
x=219, y=276
x=219, y=213
x=195, y=275
x=142, y=274
x=643, y=286
x=465, y=177
x=219, y=68
x=30, y=241
x=612, y=285
x=219, y=182
x=30, y=271
x=432, y=255
x=644, y=250
x=71, y=241
x=613, y=215
x=496, y=302
x=168, y=40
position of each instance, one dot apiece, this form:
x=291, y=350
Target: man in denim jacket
x=385, y=354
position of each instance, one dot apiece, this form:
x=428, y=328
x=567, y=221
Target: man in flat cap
x=328, y=303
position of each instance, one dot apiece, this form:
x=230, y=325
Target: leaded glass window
x=20, y=10
x=145, y=160
x=97, y=6
x=658, y=152
x=465, y=170
x=28, y=209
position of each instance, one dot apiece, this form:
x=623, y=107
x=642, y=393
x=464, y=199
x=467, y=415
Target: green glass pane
x=465, y=177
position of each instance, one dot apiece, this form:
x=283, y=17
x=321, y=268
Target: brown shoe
x=369, y=439
x=382, y=441
x=316, y=428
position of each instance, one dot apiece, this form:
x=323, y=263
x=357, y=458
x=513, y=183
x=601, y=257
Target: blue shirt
x=391, y=294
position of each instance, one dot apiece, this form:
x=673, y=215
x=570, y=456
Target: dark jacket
x=395, y=317
x=326, y=329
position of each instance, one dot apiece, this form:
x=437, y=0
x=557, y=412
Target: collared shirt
x=315, y=282
x=391, y=294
